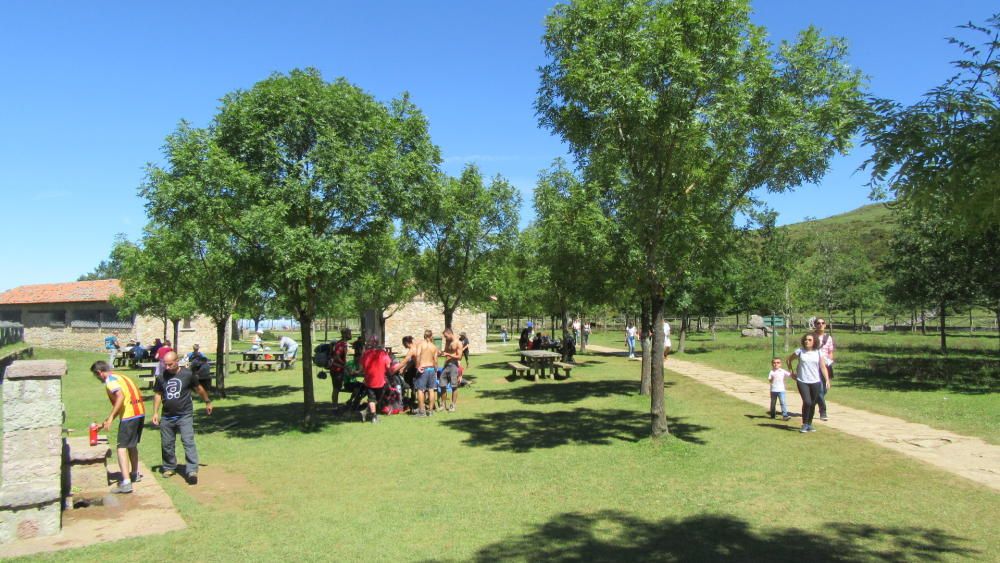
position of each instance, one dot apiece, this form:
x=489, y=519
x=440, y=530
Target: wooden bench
x=517, y=369
x=253, y=365
x=566, y=367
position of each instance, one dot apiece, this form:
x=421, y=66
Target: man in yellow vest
x=126, y=404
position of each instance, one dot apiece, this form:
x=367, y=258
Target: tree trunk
x=449, y=314
x=854, y=319
x=711, y=327
x=165, y=321
x=944, y=342
x=177, y=326
x=645, y=373
x=682, y=339
x=256, y=323
x=308, y=396
x=923, y=321
x=657, y=411
x=221, y=359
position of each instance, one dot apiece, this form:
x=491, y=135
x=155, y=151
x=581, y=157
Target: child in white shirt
x=777, y=380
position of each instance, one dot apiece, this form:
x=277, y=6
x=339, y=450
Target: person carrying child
x=777, y=380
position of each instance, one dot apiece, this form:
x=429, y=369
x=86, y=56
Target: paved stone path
x=968, y=457
x=147, y=511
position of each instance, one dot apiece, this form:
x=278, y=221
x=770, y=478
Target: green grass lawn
x=899, y=375
x=542, y=471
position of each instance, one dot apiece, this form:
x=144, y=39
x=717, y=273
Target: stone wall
x=419, y=315
x=30, y=496
x=89, y=336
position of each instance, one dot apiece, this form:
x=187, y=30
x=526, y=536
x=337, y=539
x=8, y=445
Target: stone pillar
x=30, y=497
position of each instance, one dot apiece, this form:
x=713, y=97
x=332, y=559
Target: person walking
x=338, y=365
x=465, y=347
x=111, y=347
x=172, y=391
x=630, y=333
x=825, y=343
x=126, y=405
x=810, y=376
x=776, y=378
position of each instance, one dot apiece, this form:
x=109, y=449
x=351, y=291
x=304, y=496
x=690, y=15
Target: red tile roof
x=72, y=292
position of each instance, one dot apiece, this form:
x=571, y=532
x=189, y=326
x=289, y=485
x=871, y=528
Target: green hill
x=869, y=226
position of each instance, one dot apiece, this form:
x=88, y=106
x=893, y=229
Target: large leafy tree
x=941, y=152
x=684, y=109
x=384, y=281
x=465, y=233
x=572, y=246
x=930, y=263
x=149, y=273
x=316, y=168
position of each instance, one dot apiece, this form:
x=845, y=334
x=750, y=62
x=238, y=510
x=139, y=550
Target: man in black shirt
x=173, y=391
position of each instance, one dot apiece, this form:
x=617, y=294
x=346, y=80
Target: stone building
x=413, y=318
x=78, y=315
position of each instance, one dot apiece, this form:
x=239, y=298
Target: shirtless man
x=427, y=353
x=452, y=356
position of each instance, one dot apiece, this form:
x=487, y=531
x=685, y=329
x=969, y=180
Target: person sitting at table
x=568, y=347
x=539, y=342
x=138, y=353
x=524, y=343
x=199, y=365
x=151, y=353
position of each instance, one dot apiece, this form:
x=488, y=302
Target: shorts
x=373, y=393
x=449, y=376
x=130, y=432
x=425, y=381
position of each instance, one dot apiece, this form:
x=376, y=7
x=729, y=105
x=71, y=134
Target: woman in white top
x=811, y=376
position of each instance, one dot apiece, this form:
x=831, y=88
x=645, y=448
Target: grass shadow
x=522, y=431
x=568, y=392
x=612, y=535
x=972, y=376
x=260, y=391
x=257, y=421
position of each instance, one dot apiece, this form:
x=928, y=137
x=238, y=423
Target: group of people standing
x=433, y=389
x=811, y=367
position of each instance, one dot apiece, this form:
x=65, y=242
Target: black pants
x=810, y=396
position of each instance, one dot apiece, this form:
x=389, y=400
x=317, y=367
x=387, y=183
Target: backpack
x=321, y=355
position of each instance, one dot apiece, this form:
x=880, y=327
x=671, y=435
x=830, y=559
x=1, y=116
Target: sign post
x=774, y=322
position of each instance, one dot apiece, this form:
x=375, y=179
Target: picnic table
x=255, y=359
x=540, y=361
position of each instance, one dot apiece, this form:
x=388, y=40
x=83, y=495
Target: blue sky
x=89, y=91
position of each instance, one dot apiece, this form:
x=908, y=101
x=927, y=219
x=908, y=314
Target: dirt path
x=968, y=457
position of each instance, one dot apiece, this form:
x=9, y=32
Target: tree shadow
x=522, y=431
x=260, y=391
x=257, y=421
x=895, y=349
x=612, y=535
x=568, y=392
x=956, y=374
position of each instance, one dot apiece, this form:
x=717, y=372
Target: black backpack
x=321, y=355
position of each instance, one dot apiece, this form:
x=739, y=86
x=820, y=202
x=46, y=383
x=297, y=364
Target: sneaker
x=168, y=473
x=375, y=419
x=122, y=489
x=364, y=415
x=193, y=478
x=418, y=414
x=811, y=429
x=785, y=417
x=823, y=417
x=804, y=429
x=451, y=408
x=136, y=477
